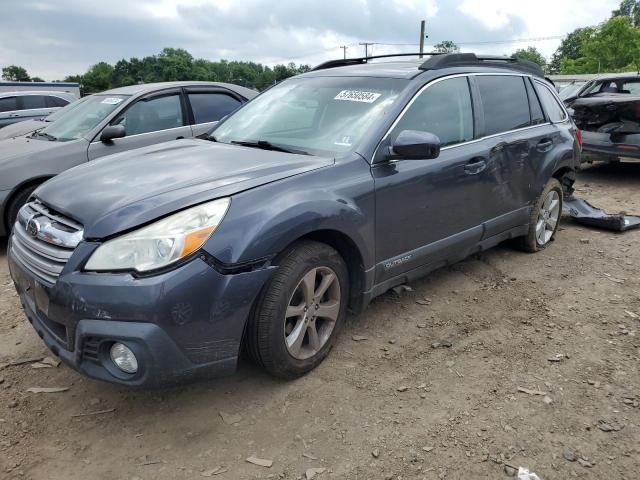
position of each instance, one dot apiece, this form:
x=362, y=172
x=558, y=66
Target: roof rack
x=362, y=60
x=471, y=59
x=439, y=60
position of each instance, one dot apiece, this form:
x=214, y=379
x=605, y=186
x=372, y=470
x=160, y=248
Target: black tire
x=16, y=203
x=265, y=335
x=529, y=242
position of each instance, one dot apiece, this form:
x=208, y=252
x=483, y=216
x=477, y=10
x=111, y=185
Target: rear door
x=33, y=107
x=513, y=134
x=155, y=118
x=208, y=106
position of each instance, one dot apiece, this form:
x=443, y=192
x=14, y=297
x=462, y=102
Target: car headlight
x=161, y=243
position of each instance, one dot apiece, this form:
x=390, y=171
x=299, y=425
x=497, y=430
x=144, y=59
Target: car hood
x=123, y=191
x=19, y=147
x=21, y=128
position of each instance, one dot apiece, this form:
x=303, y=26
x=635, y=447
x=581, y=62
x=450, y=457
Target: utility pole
x=423, y=26
x=366, y=48
x=344, y=48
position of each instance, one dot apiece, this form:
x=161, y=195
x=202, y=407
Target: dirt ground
x=563, y=323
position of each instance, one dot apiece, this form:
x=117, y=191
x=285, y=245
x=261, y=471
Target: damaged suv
x=320, y=194
x=607, y=110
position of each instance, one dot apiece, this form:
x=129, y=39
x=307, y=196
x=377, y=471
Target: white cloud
x=55, y=38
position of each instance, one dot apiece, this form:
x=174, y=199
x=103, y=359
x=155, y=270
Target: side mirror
x=111, y=132
x=415, y=145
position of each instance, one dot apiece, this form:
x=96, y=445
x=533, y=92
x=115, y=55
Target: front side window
x=152, y=114
x=552, y=107
x=444, y=109
x=505, y=103
x=317, y=115
x=8, y=104
x=77, y=122
x=211, y=107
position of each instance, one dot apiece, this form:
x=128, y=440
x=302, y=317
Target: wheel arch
x=350, y=253
x=32, y=182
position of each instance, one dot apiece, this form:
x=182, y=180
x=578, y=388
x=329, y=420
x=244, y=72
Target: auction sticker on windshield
x=111, y=101
x=357, y=96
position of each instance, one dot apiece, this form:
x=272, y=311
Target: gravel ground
x=535, y=365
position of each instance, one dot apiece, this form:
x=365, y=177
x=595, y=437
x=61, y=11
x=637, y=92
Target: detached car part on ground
x=607, y=110
x=161, y=264
x=107, y=123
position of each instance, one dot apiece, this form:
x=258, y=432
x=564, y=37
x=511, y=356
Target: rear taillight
x=579, y=136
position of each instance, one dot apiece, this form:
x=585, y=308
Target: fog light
x=124, y=358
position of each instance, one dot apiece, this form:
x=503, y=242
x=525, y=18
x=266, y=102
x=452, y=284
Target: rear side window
x=31, y=102
x=443, y=109
x=56, y=102
x=8, y=104
x=537, y=115
x=505, y=103
x=211, y=107
x=552, y=107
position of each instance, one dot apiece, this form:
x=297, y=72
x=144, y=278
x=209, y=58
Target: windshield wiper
x=265, y=145
x=48, y=136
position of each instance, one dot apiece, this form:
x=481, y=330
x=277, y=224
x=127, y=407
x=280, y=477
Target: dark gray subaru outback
x=162, y=264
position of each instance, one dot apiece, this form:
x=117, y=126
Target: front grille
x=43, y=240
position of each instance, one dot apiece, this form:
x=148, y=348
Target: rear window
x=552, y=107
x=8, y=104
x=211, y=107
x=505, y=103
x=56, y=102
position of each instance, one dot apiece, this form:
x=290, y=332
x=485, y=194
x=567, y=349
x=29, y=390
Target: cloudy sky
x=55, y=38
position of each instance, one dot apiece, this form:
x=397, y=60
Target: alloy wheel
x=312, y=313
x=548, y=218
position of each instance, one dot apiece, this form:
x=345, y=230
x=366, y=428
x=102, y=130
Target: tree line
x=172, y=64
x=611, y=46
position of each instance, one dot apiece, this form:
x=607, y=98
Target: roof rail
x=362, y=60
x=471, y=59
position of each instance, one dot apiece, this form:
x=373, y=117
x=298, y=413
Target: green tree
x=446, y=46
x=614, y=47
x=570, y=48
x=531, y=54
x=14, y=73
x=630, y=9
x=37, y=79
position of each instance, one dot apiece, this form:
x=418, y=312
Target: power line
x=482, y=42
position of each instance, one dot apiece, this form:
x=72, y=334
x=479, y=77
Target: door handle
x=544, y=145
x=475, y=166
x=180, y=138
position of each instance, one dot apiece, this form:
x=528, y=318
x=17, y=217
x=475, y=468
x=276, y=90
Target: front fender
x=263, y=221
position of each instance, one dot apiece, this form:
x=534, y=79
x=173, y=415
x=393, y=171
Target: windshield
x=61, y=111
x=318, y=115
x=570, y=90
x=77, y=122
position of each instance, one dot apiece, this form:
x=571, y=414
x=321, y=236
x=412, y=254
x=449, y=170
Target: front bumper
x=183, y=324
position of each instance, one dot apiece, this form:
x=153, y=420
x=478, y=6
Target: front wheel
x=298, y=314
x=544, y=218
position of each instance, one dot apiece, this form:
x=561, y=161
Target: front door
x=426, y=209
x=150, y=120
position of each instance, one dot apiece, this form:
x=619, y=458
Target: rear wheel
x=544, y=218
x=297, y=316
